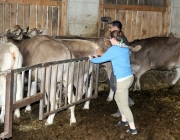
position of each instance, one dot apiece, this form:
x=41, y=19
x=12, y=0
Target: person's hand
x=90, y=57
x=99, y=51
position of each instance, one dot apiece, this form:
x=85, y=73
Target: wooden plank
x=26, y=15
x=153, y=24
x=20, y=17
x=39, y=16
x=63, y=17
x=32, y=21
x=138, y=23
x=133, y=26
x=1, y=19
x=7, y=17
x=144, y=27
x=13, y=15
x=134, y=7
x=34, y=2
x=49, y=20
x=55, y=21
x=128, y=24
x=121, y=16
x=167, y=17
x=45, y=18
x=159, y=24
x=100, y=15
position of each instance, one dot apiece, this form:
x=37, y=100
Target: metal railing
x=81, y=71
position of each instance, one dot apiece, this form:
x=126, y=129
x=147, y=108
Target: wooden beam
x=100, y=15
x=33, y=2
x=63, y=18
x=134, y=7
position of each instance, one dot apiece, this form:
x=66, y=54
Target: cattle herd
x=21, y=47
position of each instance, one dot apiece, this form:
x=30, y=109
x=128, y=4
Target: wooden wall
x=48, y=14
x=138, y=21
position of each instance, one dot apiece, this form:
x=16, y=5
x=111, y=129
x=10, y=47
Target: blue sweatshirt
x=119, y=55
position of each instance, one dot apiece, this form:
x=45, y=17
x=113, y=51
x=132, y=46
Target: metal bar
x=29, y=83
x=55, y=86
x=36, y=79
x=87, y=80
x=22, y=90
x=82, y=80
x=72, y=82
x=67, y=77
x=48, y=90
x=15, y=87
x=61, y=85
x=77, y=80
x=42, y=90
x=47, y=64
x=97, y=79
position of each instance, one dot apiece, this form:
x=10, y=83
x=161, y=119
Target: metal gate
x=40, y=74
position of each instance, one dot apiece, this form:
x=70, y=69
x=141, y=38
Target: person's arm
x=107, y=56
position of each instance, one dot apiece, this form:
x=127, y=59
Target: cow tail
x=18, y=59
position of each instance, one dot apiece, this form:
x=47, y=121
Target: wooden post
x=63, y=18
x=100, y=15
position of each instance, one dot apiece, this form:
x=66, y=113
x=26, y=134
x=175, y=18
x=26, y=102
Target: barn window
x=157, y=3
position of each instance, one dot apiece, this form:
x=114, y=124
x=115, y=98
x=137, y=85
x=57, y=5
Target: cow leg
x=71, y=99
x=176, y=77
x=137, y=76
x=18, y=94
x=108, y=69
x=86, y=104
x=110, y=96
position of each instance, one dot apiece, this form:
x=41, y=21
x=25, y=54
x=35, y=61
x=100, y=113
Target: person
x=119, y=55
x=116, y=25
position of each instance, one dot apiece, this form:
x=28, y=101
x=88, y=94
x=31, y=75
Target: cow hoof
x=48, y=123
x=72, y=123
x=1, y=119
x=109, y=99
x=28, y=108
x=17, y=114
x=86, y=108
x=171, y=87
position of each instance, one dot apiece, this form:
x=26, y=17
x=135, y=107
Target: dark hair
x=117, y=24
x=117, y=35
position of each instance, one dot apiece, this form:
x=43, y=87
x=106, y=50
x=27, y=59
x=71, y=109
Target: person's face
x=112, y=28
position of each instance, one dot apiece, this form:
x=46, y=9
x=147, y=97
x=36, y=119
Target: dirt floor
x=156, y=114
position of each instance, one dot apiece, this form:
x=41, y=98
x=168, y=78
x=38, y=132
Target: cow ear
x=107, y=43
x=136, y=48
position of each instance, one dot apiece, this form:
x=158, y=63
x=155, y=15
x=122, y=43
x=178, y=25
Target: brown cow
x=156, y=53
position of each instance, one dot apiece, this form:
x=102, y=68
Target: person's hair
x=117, y=35
x=117, y=24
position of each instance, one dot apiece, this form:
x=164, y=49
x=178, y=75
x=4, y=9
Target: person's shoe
x=117, y=114
x=122, y=123
x=132, y=131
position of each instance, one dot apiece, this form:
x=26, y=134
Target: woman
x=119, y=55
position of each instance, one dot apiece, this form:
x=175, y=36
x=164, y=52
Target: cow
x=10, y=58
x=156, y=53
x=31, y=49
